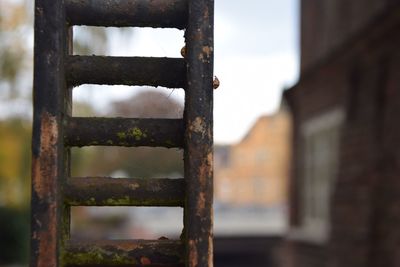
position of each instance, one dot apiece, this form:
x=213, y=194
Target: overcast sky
x=255, y=58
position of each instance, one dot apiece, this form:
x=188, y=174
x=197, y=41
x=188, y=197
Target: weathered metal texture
x=48, y=163
x=99, y=191
x=151, y=71
x=160, y=253
x=55, y=131
x=124, y=132
x=133, y=13
x=199, y=134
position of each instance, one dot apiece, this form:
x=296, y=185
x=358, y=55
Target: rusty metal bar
x=151, y=71
x=131, y=253
x=124, y=132
x=133, y=13
x=51, y=101
x=199, y=134
x=198, y=155
x=101, y=191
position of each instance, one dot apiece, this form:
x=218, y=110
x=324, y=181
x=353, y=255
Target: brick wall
x=363, y=78
x=327, y=24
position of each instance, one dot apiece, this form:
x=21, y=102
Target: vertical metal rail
x=55, y=131
x=198, y=154
x=51, y=104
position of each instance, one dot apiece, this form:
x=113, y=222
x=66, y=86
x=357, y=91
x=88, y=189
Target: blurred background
x=307, y=176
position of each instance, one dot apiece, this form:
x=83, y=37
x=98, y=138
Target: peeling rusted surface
x=198, y=126
x=167, y=253
x=44, y=167
x=45, y=238
x=44, y=191
x=124, y=132
x=133, y=13
x=193, y=255
x=211, y=247
x=199, y=134
x=151, y=71
x=205, y=54
x=51, y=101
x=100, y=191
x=145, y=261
x=201, y=205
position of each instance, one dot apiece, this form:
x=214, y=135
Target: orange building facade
x=255, y=171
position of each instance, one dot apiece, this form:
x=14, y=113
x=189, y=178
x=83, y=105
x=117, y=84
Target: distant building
x=255, y=171
x=345, y=182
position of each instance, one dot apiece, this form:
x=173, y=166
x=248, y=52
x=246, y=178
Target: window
x=321, y=136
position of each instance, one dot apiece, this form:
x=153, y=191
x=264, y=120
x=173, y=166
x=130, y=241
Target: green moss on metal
x=134, y=132
x=117, y=201
x=93, y=255
x=121, y=135
x=94, y=143
x=170, y=143
x=98, y=255
x=110, y=142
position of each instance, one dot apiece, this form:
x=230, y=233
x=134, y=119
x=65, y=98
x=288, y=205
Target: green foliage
x=14, y=190
x=14, y=53
x=15, y=163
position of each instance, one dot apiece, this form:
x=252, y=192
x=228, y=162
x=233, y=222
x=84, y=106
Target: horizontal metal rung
x=128, y=13
x=127, y=132
x=99, y=191
x=151, y=71
x=124, y=253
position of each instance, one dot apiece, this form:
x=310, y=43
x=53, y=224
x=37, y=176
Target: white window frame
x=318, y=175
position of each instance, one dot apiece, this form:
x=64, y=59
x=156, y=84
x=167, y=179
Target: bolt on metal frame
x=55, y=131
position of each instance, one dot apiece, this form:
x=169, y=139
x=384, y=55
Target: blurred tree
x=14, y=190
x=15, y=54
x=14, y=163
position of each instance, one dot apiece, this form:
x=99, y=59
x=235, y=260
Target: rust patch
x=206, y=13
x=47, y=254
x=211, y=245
x=198, y=126
x=207, y=50
x=124, y=245
x=210, y=160
x=201, y=204
x=193, y=255
x=134, y=186
x=205, y=169
x=205, y=54
x=145, y=261
x=44, y=168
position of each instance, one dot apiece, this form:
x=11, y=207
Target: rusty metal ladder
x=55, y=131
